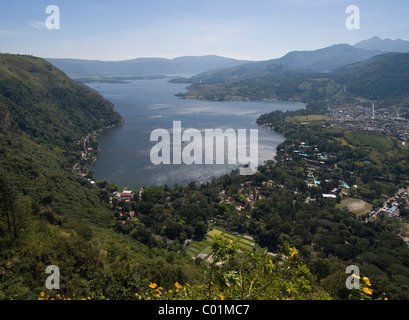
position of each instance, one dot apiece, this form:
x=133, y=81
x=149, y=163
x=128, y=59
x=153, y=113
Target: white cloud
x=36, y=24
x=9, y=32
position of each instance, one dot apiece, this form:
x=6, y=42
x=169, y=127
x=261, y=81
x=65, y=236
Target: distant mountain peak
x=384, y=45
x=328, y=58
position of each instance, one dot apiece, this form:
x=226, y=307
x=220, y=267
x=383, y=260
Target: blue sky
x=242, y=29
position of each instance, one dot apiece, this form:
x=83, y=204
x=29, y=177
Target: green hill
x=50, y=215
x=44, y=115
x=383, y=78
x=47, y=105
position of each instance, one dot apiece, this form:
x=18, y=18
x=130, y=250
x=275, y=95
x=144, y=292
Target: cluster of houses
x=391, y=207
x=126, y=195
x=250, y=196
x=385, y=120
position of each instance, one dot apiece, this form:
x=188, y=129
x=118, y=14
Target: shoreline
x=90, y=150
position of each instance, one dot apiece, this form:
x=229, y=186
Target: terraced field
x=202, y=249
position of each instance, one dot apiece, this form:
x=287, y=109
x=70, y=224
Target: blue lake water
x=150, y=104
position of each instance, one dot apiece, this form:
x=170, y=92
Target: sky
x=240, y=29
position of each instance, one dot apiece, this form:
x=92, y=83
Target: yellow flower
x=293, y=252
x=367, y=290
x=177, y=285
x=156, y=295
x=221, y=296
x=367, y=282
x=153, y=285
x=288, y=290
x=42, y=294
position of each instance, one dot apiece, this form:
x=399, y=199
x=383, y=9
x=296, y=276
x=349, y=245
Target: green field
x=203, y=248
x=356, y=206
x=309, y=118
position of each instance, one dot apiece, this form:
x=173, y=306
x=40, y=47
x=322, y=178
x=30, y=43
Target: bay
x=147, y=105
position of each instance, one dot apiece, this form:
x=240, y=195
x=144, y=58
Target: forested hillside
x=50, y=215
x=382, y=78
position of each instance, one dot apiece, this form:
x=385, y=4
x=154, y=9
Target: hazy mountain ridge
x=213, y=68
x=384, y=45
x=321, y=60
x=145, y=66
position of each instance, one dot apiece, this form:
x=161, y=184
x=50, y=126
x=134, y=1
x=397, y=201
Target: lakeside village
x=392, y=121
x=249, y=194
x=389, y=121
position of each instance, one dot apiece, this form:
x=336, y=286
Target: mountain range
x=383, y=78
x=326, y=59
x=385, y=45
x=211, y=68
x=144, y=66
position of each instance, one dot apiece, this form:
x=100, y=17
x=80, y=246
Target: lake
x=147, y=105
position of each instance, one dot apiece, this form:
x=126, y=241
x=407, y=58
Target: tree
x=200, y=231
x=9, y=203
